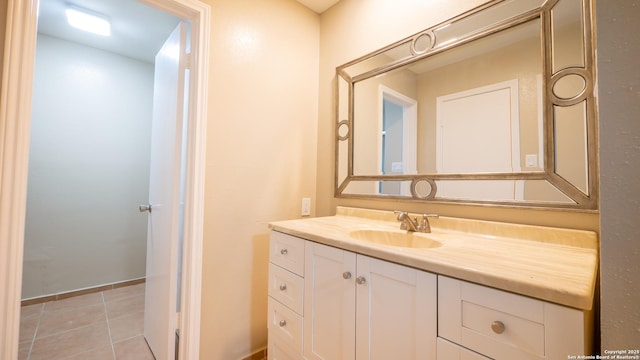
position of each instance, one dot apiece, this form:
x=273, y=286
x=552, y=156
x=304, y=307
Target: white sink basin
x=395, y=238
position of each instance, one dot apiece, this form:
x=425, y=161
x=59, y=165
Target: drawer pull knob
x=346, y=275
x=284, y=251
x=497, y=327
x=283, y=287
x=283, y=323
x=361, y=280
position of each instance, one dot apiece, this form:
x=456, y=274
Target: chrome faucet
x=409, y=224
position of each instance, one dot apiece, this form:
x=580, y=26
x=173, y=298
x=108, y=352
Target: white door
x=478, y=131
x=329, y=302
x=160, y=317
x=396, y=311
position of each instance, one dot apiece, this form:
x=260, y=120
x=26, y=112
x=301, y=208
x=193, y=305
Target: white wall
x=88, y=169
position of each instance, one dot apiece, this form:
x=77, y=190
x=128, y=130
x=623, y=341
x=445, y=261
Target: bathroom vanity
x=355, y=286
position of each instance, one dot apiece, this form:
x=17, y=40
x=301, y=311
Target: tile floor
x=103, y=325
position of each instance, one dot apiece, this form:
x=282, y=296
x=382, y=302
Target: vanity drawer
x=284, y=324
x=286, y=287
x=280, y=349
x=447, y=350
x=495, y=323
x=287, y=252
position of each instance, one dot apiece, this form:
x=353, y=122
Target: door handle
x=145, y=208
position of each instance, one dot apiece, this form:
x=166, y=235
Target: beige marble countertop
x=552, y=264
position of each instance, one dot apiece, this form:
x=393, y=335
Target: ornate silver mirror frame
x=546, y=182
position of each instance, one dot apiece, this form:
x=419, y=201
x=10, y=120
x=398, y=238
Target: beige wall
x=245, y=117
x=261, y=158
x=3, y=26
x=619, y=106
x=354, y=28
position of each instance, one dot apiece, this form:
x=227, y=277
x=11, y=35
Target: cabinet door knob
x=497, y=327
x=361, y=280
x=284, y=251
x=346, y=275
x=283, y=287
x=282, y=323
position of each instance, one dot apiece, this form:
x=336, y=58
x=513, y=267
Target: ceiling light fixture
x=88, y=21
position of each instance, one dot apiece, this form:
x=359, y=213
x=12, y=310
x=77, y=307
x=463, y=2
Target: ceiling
x=137, y=30
x=318, y=6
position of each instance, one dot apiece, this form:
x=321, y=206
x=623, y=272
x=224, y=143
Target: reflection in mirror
x=495, y=106
x=421, y=44
x=343, y=130
x=567, y=40
x=470, y=116
x=569, y=86
x=503, y=190
x=424, y=189
x=395, y=53
x=482, y=20
x=396, y=143
x=528, y=190
x=571, y=144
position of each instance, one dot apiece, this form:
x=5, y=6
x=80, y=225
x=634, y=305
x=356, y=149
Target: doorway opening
x=397, y=144
x=15, y=115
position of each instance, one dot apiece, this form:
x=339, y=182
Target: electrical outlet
x=306, y=207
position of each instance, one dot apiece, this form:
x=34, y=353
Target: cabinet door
x=396, y=311
x=329, y=302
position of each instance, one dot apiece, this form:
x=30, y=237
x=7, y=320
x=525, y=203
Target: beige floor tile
x=71, y=343
x=23, y=350
x=105, y=353
x=123, y=292
x=53, y=322
x=126, y=306
x=31, y=311
x=127, y=326
x=28, y=329
x=74, y=302
x=133, y=349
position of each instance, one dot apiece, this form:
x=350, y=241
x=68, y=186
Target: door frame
x=409, y=126
x=15, y=117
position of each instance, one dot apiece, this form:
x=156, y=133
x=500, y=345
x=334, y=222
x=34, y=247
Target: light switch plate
x=306, y=207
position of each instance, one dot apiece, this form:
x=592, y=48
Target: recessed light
x=88, y=21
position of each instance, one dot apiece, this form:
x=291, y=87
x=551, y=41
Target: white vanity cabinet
x=330, y=303
x=503, y=325
x=358, y=307
x=353, y=306
x=285, y=303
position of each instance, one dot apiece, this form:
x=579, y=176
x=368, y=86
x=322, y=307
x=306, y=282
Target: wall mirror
x=495, y=106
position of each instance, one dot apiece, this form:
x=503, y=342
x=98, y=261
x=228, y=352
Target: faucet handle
x=400, y=214
x=424, y=224
x=425, y=218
